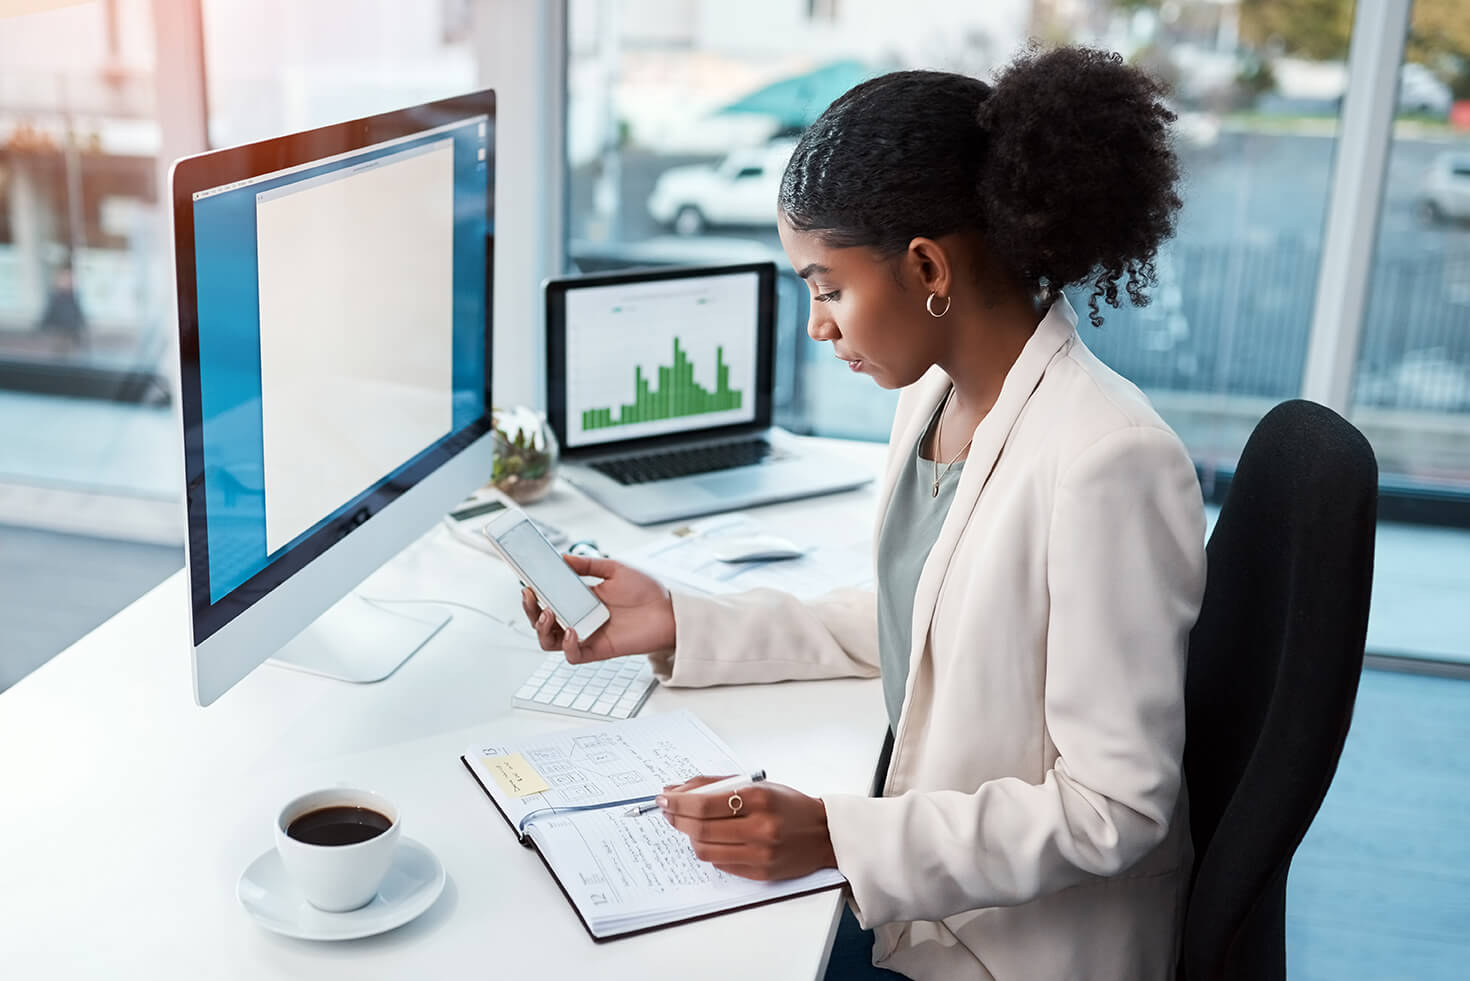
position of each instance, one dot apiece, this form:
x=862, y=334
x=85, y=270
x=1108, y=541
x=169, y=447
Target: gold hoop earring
x=929, y=305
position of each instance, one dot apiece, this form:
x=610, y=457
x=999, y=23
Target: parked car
x=1421, y=91
x=739, y=190
x=1429, y=380
x=1444, y=194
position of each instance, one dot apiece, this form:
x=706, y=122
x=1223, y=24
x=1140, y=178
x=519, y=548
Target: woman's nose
x=820, y=326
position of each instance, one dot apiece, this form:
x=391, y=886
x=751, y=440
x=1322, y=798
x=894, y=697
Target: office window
x=1411, y=393
x=679, y=120
x=1413, y=378
x=278, y=66
x=87, y=459
x=89, y=466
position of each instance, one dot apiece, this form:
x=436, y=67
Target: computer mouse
x=752, y=548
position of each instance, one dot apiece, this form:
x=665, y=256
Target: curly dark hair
x=1064, y=165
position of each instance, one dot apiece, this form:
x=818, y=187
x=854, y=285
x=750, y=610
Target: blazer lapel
x=1051, y=336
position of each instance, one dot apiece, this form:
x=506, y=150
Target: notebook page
x=632, y=759
x=624, y=873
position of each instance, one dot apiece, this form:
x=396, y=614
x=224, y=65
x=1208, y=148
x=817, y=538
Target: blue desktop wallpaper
x=229, y=350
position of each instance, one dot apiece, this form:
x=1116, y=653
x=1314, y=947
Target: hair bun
x=1079, y=181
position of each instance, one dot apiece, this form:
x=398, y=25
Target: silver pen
x=719, y=786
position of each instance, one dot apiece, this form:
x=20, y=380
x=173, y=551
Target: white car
x=739, y=190
x=1445, y=192
x=1421, y=91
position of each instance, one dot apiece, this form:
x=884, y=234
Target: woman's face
x=877, y=325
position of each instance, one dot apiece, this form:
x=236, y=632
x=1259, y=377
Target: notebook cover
x=529, y=843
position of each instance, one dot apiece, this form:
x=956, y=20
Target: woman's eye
x=827, y=297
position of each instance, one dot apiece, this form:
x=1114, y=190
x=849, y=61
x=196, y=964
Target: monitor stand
x=358, y=640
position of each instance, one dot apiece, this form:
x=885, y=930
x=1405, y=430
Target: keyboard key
x=611, y=689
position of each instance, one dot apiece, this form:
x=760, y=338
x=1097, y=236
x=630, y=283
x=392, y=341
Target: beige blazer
x=1033, y=825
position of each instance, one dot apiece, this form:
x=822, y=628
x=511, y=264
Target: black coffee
x=339, y=825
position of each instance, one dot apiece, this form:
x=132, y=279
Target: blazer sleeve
x=1125, y=575
x=767, y=635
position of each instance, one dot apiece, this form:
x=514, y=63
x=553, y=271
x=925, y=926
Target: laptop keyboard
x=685, y=462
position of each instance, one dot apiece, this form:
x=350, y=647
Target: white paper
x=625, y=873
x=630, y=760
x=689, y=560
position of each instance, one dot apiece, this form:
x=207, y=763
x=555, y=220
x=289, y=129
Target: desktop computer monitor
x=334, y=295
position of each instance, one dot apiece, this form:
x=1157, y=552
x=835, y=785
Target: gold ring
x=735, y=805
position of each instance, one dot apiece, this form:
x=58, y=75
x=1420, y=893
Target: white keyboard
x=611, y=689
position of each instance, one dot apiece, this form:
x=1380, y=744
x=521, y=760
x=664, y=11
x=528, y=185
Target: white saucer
x=414, y=881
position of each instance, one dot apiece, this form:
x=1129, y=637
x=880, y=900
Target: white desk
x=129, y=813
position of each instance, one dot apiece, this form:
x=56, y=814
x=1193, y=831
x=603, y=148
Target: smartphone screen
x=569, y=596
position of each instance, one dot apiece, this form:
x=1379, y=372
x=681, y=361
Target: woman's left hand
x=777, y=832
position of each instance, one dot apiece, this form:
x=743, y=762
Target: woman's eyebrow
x=812, y=267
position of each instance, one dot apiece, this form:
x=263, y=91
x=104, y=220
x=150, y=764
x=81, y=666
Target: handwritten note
x=627, y=872
x=515, y=776
x=620, y=761
x=569, y=792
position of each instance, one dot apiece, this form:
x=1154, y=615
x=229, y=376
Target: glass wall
x=87, y=451
x=89, y=467
x=680, y=116
x=83, y=280
x=277, y=66
x=1411, y=393
x=1413, y=377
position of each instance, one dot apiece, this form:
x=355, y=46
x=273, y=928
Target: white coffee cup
x=337, y=878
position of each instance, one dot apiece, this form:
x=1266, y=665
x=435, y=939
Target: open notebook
x=567, y=793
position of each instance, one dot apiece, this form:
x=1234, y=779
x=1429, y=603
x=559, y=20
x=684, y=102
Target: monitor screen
x=341, y=312
x=658, y=357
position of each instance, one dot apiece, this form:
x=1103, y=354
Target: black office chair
x=1274, y=662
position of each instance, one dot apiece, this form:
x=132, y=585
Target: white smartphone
x=560, y=590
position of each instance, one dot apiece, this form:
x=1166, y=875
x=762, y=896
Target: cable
x=443, y=602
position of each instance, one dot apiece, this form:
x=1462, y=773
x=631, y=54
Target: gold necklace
x=938, y=428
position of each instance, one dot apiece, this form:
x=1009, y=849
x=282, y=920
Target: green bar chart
x=672, y=394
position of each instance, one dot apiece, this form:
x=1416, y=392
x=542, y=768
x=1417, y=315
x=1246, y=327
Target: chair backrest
x=1274, y=661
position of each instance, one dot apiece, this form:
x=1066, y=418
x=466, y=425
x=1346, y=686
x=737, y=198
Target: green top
x=909, y=531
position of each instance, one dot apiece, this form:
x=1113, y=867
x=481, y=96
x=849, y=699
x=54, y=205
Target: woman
x=1040, y=554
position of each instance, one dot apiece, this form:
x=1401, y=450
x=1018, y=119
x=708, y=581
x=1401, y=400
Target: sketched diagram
x=598, y=748
x=587, y=769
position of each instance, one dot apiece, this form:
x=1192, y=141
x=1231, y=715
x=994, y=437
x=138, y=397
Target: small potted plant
x=525, y=453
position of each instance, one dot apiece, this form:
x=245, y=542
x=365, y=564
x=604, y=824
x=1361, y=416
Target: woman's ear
x=930, y=265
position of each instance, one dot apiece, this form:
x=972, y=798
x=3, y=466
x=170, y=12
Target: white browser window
x=356, y=329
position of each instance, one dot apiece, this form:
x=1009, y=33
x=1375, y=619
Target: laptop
x=659, y=391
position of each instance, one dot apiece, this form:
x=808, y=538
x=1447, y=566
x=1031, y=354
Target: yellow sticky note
x=515, y=776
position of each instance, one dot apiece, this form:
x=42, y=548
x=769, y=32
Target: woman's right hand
x=641, y=614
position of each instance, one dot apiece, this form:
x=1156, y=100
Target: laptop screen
x=665, y=354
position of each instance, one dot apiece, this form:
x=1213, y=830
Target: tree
x=1318, y=29
x=1439, y=37
x=1439, y=30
